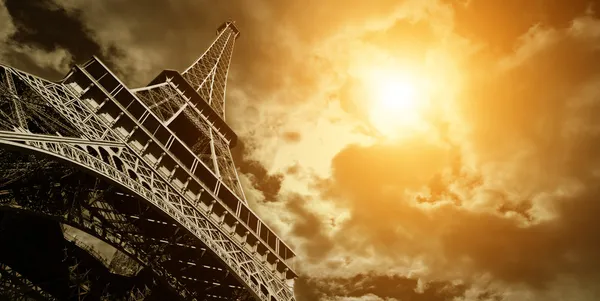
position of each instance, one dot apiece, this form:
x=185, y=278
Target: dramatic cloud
x=17, y=50
x=496, y=197
x=376, y=287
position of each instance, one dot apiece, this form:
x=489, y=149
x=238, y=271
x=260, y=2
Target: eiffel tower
x=112, y=193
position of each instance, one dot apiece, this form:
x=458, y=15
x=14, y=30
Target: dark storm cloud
x=18, y=30
x=366, y=168
x=309, y=226
x=384, y=287
x=535, y=255
x=24, y=61
x=369, y=181
x=46, y=26
x=170, y=34
x=174, y=34
x=268, y=184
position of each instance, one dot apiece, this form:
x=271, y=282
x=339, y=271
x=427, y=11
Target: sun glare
x=398, y=100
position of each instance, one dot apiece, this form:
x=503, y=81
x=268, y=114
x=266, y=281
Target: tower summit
x=192, y=104
x=147, y=173
x=208, y=74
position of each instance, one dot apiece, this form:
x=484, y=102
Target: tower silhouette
x=135, y=189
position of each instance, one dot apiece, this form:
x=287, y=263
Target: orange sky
x=487, y=191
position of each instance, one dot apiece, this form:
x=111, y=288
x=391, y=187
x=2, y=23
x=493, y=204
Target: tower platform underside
x=151, y=182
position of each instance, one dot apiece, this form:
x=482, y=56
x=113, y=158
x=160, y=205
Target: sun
x=398, y=99
x=399, y=95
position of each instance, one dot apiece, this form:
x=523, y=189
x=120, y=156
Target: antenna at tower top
x=231, y=24
x=208, y=74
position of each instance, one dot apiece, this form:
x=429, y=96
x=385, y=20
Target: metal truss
x=82, y=286
x=208, y=75
x=202, y=224
x=120, y=263
x=83, y=202
x=79, y=278
x=163, y=100
x=15, y=287
x=88, y=204
x=80, y=164
x=168, y=103
x=31, y=104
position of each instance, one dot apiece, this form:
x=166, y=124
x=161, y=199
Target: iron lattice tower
x=147, y=172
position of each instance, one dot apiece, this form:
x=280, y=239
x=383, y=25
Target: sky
x=479, y=180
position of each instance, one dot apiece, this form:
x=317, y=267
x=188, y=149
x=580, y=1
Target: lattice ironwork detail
x=169, y=103
x=149, y=171
x=163, y=100
x=15, y=287
x=208, y=75
x=204, y=227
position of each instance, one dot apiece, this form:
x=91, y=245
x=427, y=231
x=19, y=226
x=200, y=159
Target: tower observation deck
x=112, y=193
